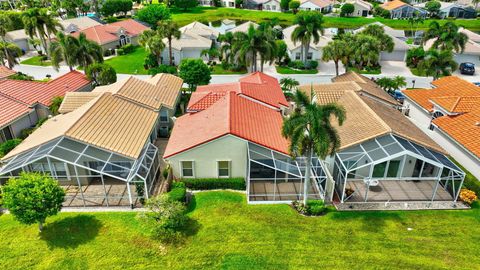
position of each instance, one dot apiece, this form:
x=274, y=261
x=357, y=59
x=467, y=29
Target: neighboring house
x=24, y=103
x=294, y=49
x=266, y=5
x=206, y=3
x=454, y=10
x=400, y=47
x=114, y=35
x=190, y=45
x=228, y=3
x=324, y=6
x=450, y=114
x=101, y=149
x=242, y=27
x=471, y=53
x=201, y=30
x=362, y=8
x=234, y=130
x=20, y=38
x=5, y=72
x=401, y=10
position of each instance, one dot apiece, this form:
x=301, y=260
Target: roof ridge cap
x=86, y=111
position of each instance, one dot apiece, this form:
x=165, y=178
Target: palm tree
x=366, y=50
x=438, y=63
x=391, y=84
x=377, y=31
x=169, y=30
x=5, y=26
x=152, y=41
x=246, y=47
x=226, y=41
x=64, y=49
x=268, y=46
x=311, y=133
x=9, y=53
x=41, y=23
x=447, y=37
x=309, y=28
x=414, y=21
x=335, y=51
x=88, y=52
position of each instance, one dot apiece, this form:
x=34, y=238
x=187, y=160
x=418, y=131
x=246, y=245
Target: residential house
x=24, y=103
x=234, y=130
x=449, y=113
x=101, y=149
x=201, y=30
x=20, y=38
x=228, y=3
x=189, y=45
x=324, y=6
x=206, y=3
x=454, y=10
x=401, y=10
x=294, y=49
x=242, y=27
x=361, y=8
x=5, y=72
x=266, y=5
x=114, y=35
x=400, y=47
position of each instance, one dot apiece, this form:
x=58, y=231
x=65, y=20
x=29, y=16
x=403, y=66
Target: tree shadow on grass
x=192, y=203
x=371, y=221
x=71, y=232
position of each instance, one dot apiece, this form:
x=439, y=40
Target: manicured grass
x=226, y=233
x=418, y=72
x=131, y=63
x=288, y=70
x=209, y=14
x=36, y=61
x=218, y=70
x=373, y=71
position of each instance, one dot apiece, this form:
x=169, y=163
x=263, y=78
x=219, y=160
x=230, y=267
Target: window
x=379, y=170
x=309, y=56
x=163, y=116
x=223, y=169
x=274, y=7
x=297, y=56
x=187, y=169
x=60, y=168
x=393, y=167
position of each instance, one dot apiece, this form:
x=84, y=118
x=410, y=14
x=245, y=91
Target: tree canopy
x=347, y=9
x=101, y=74
x=151, y=14
x=186, y=4
x=112, y=7
x=194, y=72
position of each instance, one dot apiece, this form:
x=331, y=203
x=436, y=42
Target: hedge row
x=178, y=191
x=214, y=183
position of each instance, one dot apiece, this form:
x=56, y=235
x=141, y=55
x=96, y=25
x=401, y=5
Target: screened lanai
x=275, y=177
x=90, y=176
x=392, y=168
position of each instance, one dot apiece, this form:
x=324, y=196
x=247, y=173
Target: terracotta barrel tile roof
x=11, y=110
x=103, y=34
x=5, y=72
x=391, y=5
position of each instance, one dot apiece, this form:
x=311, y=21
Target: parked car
x=467, y=68
x=398, y=95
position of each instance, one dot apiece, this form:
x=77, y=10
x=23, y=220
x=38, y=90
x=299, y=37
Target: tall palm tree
x=309, y=28
x=40, y=23
x=438, y=63
x=152, y=41
x=311, y=133
x=88, y=52
x=414, y=21
x=335, y=51
x=9, y=53
x=169, y=30
x=447, y=37
x=366, y=50
x=246, y=47
x=64, y=49
x=268, y=46
x=226, y=51
x=5, y=26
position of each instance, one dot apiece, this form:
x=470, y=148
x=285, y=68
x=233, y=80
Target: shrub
x=120, y=51
x=8, y=146
x=316, y=207
x=21, y=77
x=128, y=48
x=467, y=195
x=111, y=19
x=150, y=61
x=214, y=183
x=163, y=69
x=472, y=183
x=151, y=14
x=101, y=74
x=347, y=9
x=178, y=192
x=164, y=218
x=312, y=64
x=297, y=64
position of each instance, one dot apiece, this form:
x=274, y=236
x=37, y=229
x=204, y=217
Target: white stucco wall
x=26, y=121
x=309, y=6
x=316, y=55
x=205, y=157
x=272, y=5
x=358, y=11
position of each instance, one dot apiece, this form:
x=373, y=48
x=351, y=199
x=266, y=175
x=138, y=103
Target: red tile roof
x=231, y=114
x=32, y=92
x=5, y=72
x=11, y=110
x=107, y=33
x=258, y=86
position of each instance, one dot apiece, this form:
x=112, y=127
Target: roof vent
x=477, y=124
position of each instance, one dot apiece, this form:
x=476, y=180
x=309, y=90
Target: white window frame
x=229, y=168
x=161, y=121
x=193, y=168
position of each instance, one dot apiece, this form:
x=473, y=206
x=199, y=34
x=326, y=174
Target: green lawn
x=288, y=70
x=36, y=61
x=226, y=233
x=218, y=70
x=373, y=71
x=209, y=14
x=131, y=63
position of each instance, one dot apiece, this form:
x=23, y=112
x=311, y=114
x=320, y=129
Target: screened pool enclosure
x=391, y=168
x=91, y=176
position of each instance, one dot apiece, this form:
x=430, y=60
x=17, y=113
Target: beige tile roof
x=243, y=27
x=368, y=86
x=366, y=117
x=189, y=39
x=115, y=124
x=287, y=33
x=160, y=90
x=74, y=100
x=200, y=29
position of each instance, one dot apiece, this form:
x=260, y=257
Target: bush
x=297, y=64
x=467, y=195
x=101, y=74
x=151, y=14
x=164, y=218
x=8, y=146
x=128, y=48
x=214, y=183
x=472, y=183
x=347, y=9
x=178, y=192
x=120, y=51
x=313, y=207
x=111, y=19
x=150, y=61
x=312, y=64
x=163, y=69
x=21, y=77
